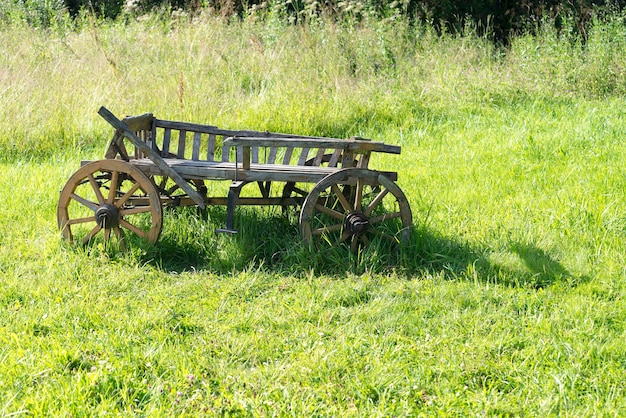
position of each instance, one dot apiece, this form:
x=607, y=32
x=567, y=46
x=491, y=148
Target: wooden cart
x=171, y=163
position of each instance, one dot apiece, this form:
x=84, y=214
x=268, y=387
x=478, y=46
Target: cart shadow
x=271, y=241
x=519, y=264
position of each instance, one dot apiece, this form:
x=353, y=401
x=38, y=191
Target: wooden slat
x=137, y=154
x=185, y=126
x=364, y=160
x=150, y=140
x=303, y=156
x=347, y=144
x=182, y=138
x=239, y=153
x=245, y=157
x=195, y=153
x=288, y=153
x=190, y=169
x=272, y=157
x=166, y=142
x=255, y=155
x=335, y=158
x=153, y=135
x=347, y=160
x=210, y=156
x=319, y=156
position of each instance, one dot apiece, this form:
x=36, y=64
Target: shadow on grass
x=270, y=240
x=518, y=265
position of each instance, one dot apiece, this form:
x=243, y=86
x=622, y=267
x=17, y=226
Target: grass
x=507, y=301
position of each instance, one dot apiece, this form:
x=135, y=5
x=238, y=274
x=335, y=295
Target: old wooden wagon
x=151, y=163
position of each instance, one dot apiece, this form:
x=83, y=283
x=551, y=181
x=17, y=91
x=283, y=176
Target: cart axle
x=356, y=223
x=107, y=216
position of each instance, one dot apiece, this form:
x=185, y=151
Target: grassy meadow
x=509, y=299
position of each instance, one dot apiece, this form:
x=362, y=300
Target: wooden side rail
x=207, y=143
x=198, y=142
x=198, y=151
x=353, y=146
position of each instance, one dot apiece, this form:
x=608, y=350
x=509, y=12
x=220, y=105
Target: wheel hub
x=357, y=223
x=107, y=216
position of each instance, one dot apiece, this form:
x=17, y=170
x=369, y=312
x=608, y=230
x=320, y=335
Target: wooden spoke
x=107, y=234
x=375, y=202
x=365, y=240
x=331, y=212
x=87, y=203
x=115, y=175
x=122, y=200
x=91, y=234
x=133, y=228
x=358, y=200
x=327, y=229
x=354, y=244
x=96, y=189
x=342, y=199
x=77, y=221
x=344, y=236
x=385, y=217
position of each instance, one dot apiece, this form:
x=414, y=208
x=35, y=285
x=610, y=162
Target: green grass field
x=509, y=299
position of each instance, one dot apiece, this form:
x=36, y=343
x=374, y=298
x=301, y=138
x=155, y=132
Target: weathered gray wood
x=182, y=138
x=154, y=157
x=178, y=126
x=211, y=148
x=190, y=169
x=304, y=155
x=319, y=156
x=364, y=160
x=357, y=145
x=135, y=123
x=195, y=154
x=272, y=157
x=255, y=155
x=287, y=157
x=329, y=154
x=246, y=158
x=335, y=158
x=166, y=142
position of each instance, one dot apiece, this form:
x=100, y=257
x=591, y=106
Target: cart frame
x=171, y=164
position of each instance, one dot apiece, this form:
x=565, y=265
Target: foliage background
x=499, y=20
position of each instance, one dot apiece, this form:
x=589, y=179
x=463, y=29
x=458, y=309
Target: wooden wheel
x=108, y=198
x=355, y=206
